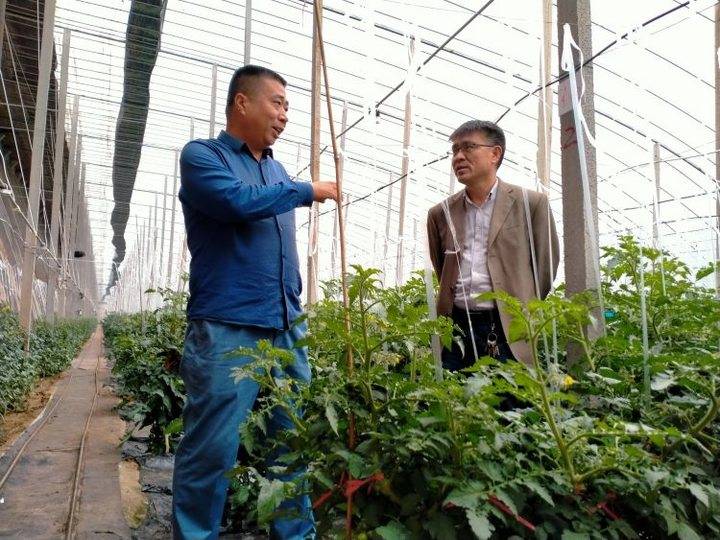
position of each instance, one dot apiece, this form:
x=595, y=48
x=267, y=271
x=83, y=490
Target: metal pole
x=38, y=148
x=58, y=174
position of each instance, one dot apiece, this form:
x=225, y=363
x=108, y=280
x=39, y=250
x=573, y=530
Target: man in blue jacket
x=245, y=286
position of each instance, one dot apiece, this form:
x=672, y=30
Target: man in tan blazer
x=479, y=241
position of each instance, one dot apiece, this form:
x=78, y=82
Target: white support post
x=415, y=241
x=36, y=168
x=387, y=231
x=545, y=103
x=66, y=205
x=405, y=171
x=153, y=264
x=716, y=62
x=313, y=229
x=656, y=198
x=334, y=247
x=57, y=175
x=73, y=263
x=213, y=99
x=248, y=31
x=162, y=236
x=170, y=257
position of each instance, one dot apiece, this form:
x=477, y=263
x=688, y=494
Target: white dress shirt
x=474, y=276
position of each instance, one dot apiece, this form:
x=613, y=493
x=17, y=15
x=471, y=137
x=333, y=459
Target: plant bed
x=623, y=444
x=53, y=346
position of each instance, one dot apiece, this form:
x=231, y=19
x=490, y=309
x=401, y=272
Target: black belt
x=481, y=315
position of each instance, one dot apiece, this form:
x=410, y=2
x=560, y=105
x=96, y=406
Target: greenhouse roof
x=653, y=81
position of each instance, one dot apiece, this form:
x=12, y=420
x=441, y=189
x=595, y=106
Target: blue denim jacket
x=240, y=223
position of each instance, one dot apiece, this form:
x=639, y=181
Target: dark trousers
x=483, y=323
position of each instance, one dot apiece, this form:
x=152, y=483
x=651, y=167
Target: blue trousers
x=215, y=409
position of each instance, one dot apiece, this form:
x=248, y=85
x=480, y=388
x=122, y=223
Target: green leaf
x=700, y=494
x=705, y=271
x=653, y=476
x=480, y=524
x=174, y=427
x=332, y=417
x=686, y=532
x=517, y=330
x=504, y=497
x=271, y=495
x=465, y=498
x=571, y=535
x=540, y=491
x=440, y=527
x=394, y=531
x=662, y=381
x=356, y=465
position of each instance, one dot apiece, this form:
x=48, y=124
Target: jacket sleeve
x=210, y=187
x=547, y=249
x=434, y=244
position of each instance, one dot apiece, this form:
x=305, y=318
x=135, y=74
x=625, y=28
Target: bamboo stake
x=343, y=254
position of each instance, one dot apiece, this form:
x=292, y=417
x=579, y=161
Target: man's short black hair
x=492, y=132
x=245, y=79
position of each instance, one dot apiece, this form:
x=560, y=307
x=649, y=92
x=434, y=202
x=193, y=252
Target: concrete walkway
x=36, y=496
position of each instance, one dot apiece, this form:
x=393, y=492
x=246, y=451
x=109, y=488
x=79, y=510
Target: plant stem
x=584, y=342
x=546, y=407
x=708, y=417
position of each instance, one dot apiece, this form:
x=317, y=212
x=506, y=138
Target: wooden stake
x=343, y=254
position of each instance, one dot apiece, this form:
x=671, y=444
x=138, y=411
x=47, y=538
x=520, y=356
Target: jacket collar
x=504, y=200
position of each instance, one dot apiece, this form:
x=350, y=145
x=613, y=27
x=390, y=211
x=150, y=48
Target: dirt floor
x=14, y=423
x=134, y=501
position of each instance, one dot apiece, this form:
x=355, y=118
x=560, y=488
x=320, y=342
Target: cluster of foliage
x=620, y=444
x=145, y=349
x=52, y=348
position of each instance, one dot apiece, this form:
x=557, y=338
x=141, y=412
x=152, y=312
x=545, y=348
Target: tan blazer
x=509, y=258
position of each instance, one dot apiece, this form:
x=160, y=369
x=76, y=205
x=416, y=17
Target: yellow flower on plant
x=567, y=382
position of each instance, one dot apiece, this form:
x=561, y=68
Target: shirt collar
x=238, y=145
x=490, y=197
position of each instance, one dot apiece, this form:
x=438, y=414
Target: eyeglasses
x=466, y=147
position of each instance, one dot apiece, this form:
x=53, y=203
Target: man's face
x=265, y=113
x=474, y=158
